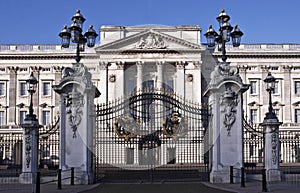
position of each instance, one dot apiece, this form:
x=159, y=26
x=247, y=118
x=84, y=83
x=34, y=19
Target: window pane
x=2, y=118
x=297, y=87
x=22, y=116
x=23, y=89
x=46, y=117
x=297, y=115
x=47, y=89
x=252, y=87
x=253, y=116
x=130, y=86
x=276, y=86
x=2, y=89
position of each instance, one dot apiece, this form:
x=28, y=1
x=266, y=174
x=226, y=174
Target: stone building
x=131, y=58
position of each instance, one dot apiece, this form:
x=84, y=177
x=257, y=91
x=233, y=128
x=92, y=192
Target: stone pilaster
x=139, y=78
x=12, y=94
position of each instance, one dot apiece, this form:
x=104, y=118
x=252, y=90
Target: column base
x=80, y=177
x=25, y=178
x=273, y=176
x=223, y=176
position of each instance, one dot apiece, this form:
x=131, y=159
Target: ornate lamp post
x=270, y=86
x=271, y=139
x=31, y=83
x=30, y=139
x=74, y=33
x=226, y=31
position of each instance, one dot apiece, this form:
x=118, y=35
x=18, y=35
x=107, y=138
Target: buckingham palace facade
x=129, y=58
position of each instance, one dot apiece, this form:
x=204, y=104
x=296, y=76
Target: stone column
x=119, y=80
x=160, y=78
x=271, y=149
x=180, y=79
x=30, y=150
x=77, y=121
x=139, y=76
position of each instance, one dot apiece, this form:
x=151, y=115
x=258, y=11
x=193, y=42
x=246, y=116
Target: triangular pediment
x=149, y=40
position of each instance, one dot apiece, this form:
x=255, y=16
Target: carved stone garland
x=74, y=103
x=230, y=101
x=27, y=146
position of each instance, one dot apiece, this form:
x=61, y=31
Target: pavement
x=201, y=187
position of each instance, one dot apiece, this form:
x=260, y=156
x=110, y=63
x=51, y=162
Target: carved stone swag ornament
x=74, y=103
x=27, y=146
x=230, y=101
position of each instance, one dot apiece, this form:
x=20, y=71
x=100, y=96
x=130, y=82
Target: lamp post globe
x=226, y=31
x=270, y=86
x=31, y=83
x=74, y=33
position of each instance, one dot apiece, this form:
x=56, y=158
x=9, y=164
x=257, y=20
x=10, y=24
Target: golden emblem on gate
x=125, y=126
x=175, y=126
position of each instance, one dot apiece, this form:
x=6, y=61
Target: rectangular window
x=2, y=89
x=46, y=117
x=297, y=87
x=297, y=115
x=23, y=89
x=253, y=116
x=170, y=86
x=276, y=88
x=130, y=86
x=2, y=118
x=253, y=87
x=276, y=111
x=22, y=116
x=46, y=88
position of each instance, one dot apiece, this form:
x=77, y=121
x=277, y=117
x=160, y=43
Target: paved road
x=155, y=188
x=251, y=187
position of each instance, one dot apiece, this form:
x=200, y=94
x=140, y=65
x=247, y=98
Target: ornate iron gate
x=149, y=136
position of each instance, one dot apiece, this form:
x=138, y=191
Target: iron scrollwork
x=74, y=103
x=175, y=126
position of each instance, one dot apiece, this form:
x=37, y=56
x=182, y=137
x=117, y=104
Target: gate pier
x=225, y=142
x=77, y=95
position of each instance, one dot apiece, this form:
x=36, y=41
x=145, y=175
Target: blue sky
x=40, y=21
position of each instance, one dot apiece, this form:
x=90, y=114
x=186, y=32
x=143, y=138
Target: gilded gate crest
x=175, y=126
x=126, y=127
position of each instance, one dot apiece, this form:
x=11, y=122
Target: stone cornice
x=43, y=56
x=260, y=55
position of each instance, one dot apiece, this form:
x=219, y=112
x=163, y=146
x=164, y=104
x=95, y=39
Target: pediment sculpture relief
x=151, y=42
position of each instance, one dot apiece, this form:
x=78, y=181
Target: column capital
x=13, y=68
x=160, y=63
x=243, y=68
x=180, y=64
x=36, y=68
x=265, y=68
x=120, y=65
x=58, y=68
x=287, y=68
x=140, y=63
